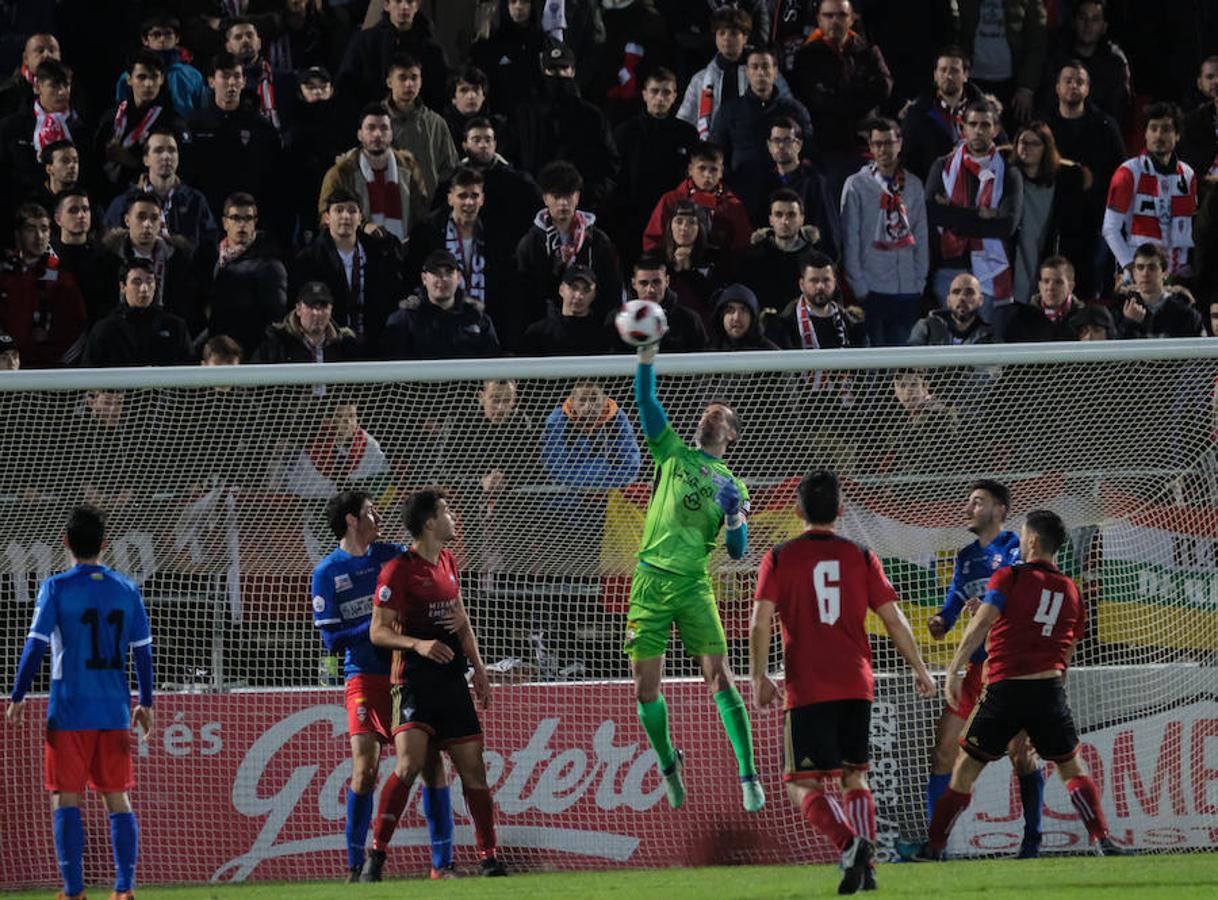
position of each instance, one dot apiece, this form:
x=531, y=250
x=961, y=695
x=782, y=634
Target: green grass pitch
x=1177, y=877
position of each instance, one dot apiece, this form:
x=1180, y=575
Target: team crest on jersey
x=319, y=603
x=383, y=593
x=342, y=582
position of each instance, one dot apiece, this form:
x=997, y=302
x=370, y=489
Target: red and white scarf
x=328, y=459
x=227, y=253
x=990, y=261
x=892, y=230
x=1163, y=205
x=127, y=140
x=473, y=264
x=385, y=207
x=49, y=127
x=266, y=95
x=706, y=97
x=565, y=251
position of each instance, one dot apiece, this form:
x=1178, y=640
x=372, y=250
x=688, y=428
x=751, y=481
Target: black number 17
x=92, y=618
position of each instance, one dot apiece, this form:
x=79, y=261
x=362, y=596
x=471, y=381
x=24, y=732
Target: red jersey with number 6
x=423, y=595
x=822, y=586
x=1042, y=617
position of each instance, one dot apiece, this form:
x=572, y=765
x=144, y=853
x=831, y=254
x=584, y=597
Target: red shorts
x=369, y=706
x=98, y=759
x=970, y=690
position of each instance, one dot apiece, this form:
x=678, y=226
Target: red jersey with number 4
x=822, y=586
x=422, y=595
x=1042, y=617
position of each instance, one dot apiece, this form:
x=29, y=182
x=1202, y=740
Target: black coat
x=512, y=199
x=246, y=296
x=284, y=343
x=927, y=133
x=1177, y=317
x=422, y=330
x=840, y=89
x=138, y=337
x=774, y=274
x=559, y=335
x=361, y=79
x=511, y=59
x=655, y=156
x=1029, y=323
x=540, y=272
x=230, y=152
x=19, y=167
x=384, y=287
x=821, y=208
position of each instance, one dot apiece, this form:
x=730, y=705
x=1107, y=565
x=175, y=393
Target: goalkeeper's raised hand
x=647, y=353
x=728, y=496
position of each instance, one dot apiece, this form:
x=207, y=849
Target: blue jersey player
x=342, y=589
x=89, y=616
x=986, y=510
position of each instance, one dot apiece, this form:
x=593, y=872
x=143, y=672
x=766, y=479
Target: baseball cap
x=439, y=259
x=8, y=343
x=316, y=73
x=315, y=293
x=556, y=55
x=579, y=273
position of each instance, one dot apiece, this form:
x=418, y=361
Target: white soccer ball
x=641, y=322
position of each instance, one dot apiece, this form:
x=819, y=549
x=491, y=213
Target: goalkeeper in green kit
x=695, y=495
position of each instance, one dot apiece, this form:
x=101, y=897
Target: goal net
x=215, y=481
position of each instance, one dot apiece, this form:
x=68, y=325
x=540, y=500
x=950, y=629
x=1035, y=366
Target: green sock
x=736, y=723
x=654, y=717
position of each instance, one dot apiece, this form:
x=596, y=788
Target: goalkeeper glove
x=728, y=496
x=647, y=353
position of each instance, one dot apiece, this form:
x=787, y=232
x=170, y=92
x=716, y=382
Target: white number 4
x=1050, y=608
x=826, y=576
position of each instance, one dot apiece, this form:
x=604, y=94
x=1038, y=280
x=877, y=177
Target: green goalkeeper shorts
x=657, y=599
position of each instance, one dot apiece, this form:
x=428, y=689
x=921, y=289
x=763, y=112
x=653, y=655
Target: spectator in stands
x=309, y=35
x=730, y=227
x=27, y=132
x=975, y=200
x=737, y=322
x=960, y=323
x=655, y=147
x=694, y=26
x=818, y=319
x=772, y=266
x=564, y=235
x=742, y=128
x=911, y=36
x=512, y=197
x=10, y=353
x=342, y=456
x=1199, y=137
x=1090, y=137
x=1051, y=310
x=1151, y=309
x=265, y=89
x=509, y=55
x=40, y=305
x=140, y=238
x=442, y=324
x=886, y=253
x=72, y=241
x=560, y=124
x=104, y=427
x=139, y=332
x=487, y=267
x=159, y=34
x=123, y=129
x=387, y=181
x=466, y=102
x=1094, y=323
x=417, y=129
x=60, y=160
x=686, y=333
x=1007, y=43
x=1142, y=186
x=933, y=125
x=186, y=211
x=788, y=170
x=581, y=26
x=589, y=442
x=636, y=42
x=308, y=333
x=842, y=79
x=17, y=91
x=569, y=327
x=247, y=285
x=315, y=136
x=724, y=79
x=220, y=350
x=360, y=269
x=926, y=425
x=1050, y=183
x=404, y=29
x=696, y=269
x=1085, y=39
x=232, y=149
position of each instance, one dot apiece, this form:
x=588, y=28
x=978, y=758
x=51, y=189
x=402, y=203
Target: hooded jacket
x=150, y=336
x=730, y=227
x=753, y=339
x=424, y=134
x=605, y=455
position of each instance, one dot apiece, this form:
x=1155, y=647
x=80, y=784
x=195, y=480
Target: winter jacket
x=285, y=343
x=188, y=214
x=138, y=337
x=42, y=309
x=559, y=335
x=421, y=330
x=928, y=131
x=841, y=87
x=424, y=134
x=346, y=173
x=230, y=152
x=19, y=166
x=247, y=295
x=688, y=110
x=730, y=228
x=938, y=330
x=512, y=199
x=1029, y=323
x=743, y=129
x=176, y=288
x=185, y=84
x=816, y=195
x=510, y=57
x=868, y=268
x=844, y=328
x=541, y=271
x=773, y=273
x=361, y=78
x=606, y=456
x=1108, y=67
x=109, y=177
x=1176, y=317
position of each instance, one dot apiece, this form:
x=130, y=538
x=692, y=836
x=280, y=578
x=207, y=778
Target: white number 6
x=826, y=576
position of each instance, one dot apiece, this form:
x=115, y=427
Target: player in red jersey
x=1033, y=616
x=418, y=614
x=822, y=587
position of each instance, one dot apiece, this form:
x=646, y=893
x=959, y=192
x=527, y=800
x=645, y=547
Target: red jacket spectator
x=730, y=225
x=42, y=309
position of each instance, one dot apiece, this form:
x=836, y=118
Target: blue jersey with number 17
x=90, y=615
x=343, y=586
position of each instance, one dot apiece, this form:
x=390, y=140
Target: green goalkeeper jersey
x=683, y=519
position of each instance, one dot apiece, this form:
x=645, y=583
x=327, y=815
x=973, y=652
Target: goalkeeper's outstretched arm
x=651, y=413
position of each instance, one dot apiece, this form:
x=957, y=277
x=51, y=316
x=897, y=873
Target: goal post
x=214, y=479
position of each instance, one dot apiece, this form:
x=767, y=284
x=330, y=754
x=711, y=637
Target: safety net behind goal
x=215, y=496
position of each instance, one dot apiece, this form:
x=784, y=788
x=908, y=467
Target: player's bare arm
x=902, y=637
x=142, y=718
x=469, y=646
x=383, y=632
x=761, y=631
x=974, y=635
x=15, y=713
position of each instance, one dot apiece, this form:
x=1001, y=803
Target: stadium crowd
x=318, y=180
